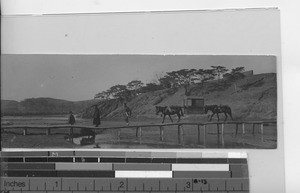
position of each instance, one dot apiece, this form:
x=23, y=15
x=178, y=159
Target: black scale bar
x=28, y=166
x=83, y=191
x=86, y=159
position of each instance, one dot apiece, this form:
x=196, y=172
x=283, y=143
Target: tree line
x=173, y=79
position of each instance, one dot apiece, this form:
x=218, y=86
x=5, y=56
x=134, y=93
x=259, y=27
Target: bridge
x=200, y=126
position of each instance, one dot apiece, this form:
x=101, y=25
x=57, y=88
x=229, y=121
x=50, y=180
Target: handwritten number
x=204, y=181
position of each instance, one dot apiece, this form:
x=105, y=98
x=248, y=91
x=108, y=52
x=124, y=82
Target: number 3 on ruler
x=188, y=185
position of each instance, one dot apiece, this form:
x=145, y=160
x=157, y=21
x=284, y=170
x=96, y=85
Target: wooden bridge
x=139, y=129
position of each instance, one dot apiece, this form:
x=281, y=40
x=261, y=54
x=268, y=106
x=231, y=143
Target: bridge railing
x=139, y=129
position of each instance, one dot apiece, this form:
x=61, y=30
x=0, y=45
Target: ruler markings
x=238, y=170
x=94, y=186
x=159, y=185
x=236, y=183
x=63, y=153
x=231, y=161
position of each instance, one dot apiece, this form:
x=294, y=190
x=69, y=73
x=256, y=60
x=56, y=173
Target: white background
x=290, y=32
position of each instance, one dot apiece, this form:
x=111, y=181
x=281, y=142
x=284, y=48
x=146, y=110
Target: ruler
x=123, y=171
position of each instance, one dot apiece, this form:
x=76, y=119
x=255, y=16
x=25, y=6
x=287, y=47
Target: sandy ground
x=108, y=138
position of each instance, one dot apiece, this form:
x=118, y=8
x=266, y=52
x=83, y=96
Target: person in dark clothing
x=96, y=120
x=71, y=118
x=127, y=113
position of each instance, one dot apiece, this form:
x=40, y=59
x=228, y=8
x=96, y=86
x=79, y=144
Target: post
x=119, y=135
x=180, y=135
x=137, y=132
x=236, y=128
x=218, y=136
x=262, y=131
x=198, y=134
x=25, y=131
x=253, y=127
x=140, y=134
x=222, y=138
x=204, y=135
x=243, y=125
x=71, y=133
x=161, y=133
x=48, y=131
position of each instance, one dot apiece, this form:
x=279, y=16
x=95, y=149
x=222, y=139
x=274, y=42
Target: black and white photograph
x=139, y=101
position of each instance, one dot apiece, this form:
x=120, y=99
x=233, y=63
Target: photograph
x=139, y=101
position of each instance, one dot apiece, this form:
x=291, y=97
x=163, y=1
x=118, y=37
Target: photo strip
x=139, y=101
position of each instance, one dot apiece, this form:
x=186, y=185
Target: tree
x=204, y=75
x=135, y=86
x=208, y=74
x=183, y=77
x=167, y=81
x=220, y=70
x=117, y=90
x=104, y=95
x=150, y=87
x=235, y=74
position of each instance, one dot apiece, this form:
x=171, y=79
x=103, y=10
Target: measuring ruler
x=123, y=171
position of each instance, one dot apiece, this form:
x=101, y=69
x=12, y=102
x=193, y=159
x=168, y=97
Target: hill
x=43, y=106
x=252, y=97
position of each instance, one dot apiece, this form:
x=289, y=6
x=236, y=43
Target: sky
x=80, y=77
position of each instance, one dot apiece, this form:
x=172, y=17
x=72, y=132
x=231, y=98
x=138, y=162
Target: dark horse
x=169, y=110
x=215, y=109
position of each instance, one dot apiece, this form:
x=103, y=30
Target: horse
x=215, y=109
x=169, y=110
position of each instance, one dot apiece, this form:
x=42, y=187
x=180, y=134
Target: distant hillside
x=253, y=97
x=43, y=106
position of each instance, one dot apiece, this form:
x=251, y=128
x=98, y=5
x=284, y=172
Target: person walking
x=96, y=120
x=127, y=113
x=71, y=120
